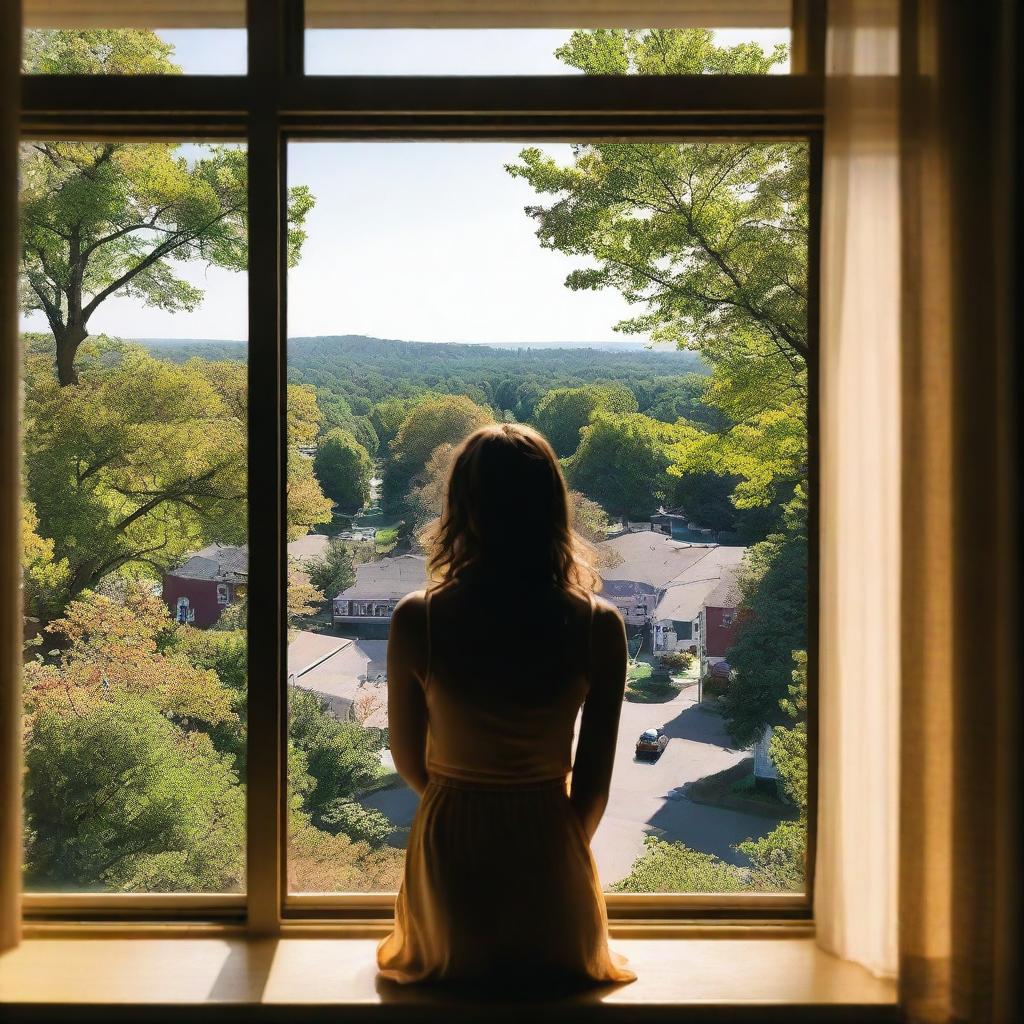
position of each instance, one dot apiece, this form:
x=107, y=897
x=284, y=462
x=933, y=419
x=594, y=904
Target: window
x=259, y=148
x=135, y=500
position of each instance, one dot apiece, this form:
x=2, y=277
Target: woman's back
x=487, y=672
x=506, y=675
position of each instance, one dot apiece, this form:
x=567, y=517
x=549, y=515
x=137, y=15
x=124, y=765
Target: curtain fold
x=856, y=860
x=10, y=486
x=959, y=841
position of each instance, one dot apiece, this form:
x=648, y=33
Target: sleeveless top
x=483, y=734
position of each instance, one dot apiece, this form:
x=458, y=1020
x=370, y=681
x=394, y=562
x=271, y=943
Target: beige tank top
x=487, y=735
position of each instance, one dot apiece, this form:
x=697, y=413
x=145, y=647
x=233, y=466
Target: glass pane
x=134, y=515
x=48, y=51
x=644, y=306
x=546, y=51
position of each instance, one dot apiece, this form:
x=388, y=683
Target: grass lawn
x=644, y=685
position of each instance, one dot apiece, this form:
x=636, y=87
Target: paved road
x=641, y=800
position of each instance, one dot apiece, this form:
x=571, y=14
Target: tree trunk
x=67, y=348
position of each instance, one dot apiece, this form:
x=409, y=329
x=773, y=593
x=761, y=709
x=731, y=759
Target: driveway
x=642, y=801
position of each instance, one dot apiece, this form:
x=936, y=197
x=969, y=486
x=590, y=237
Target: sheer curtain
x=856, y=862
x=919, y=674
x=10, y=486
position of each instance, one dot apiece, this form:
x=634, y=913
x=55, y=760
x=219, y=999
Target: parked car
x=651, y=743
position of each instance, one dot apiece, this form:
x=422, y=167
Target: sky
x=411, y=240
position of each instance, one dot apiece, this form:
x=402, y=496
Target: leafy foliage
x=44, y=578
x=772, y=625
x=335, y=572
x=711, y=239
x=563, y=412
x=430, y=423
x=341, y=757
x=674, y=867
x=110, y=218
x=343, y=467
x=621, y=463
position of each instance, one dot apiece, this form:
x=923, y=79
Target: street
x=642, y=801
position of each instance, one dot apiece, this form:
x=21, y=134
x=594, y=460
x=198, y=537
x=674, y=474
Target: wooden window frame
x=275, y=103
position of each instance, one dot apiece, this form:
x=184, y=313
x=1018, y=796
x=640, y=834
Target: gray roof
x=216, y=562
x=688, y=577
x=388, y=579
x=651, y=557
x=626, y=588
x=339, y=667
x=311, y=547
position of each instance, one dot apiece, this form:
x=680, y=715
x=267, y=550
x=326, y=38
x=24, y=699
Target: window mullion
x=267, y=709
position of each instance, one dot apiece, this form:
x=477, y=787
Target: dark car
x=651, y=743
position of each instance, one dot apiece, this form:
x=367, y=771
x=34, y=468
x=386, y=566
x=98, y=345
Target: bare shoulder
x=410, y=613
x=607, y=618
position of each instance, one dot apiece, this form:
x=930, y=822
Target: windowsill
x=185, y=977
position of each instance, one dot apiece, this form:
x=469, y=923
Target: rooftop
x=340, y=667
x=687, y=576
x=388, y=579
x=216, y=562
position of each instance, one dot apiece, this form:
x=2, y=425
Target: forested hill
x=376, y=368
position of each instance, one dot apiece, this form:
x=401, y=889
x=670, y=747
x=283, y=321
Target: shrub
x=677, y=661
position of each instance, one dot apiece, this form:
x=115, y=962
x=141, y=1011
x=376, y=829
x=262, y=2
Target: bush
x=677, y=661
x=714, y=686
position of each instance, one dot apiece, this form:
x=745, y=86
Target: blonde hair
x=506, y=513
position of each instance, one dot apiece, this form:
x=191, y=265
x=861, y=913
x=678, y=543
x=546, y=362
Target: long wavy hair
x=506, y=515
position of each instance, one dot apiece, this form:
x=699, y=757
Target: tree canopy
x=563, y=412
x=430, y=423
x=108, y=218
x=709, y=239
x=621, y=463
x=343, y=467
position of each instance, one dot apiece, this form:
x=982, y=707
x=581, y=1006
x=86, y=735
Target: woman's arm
x=407, y=708
x=595, y=751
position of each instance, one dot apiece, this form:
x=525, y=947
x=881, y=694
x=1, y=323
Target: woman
x=487, y=671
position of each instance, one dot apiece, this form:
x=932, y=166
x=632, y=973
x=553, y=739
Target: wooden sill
x=224, y=977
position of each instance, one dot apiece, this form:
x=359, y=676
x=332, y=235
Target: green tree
x=621, y=463
x=709, y=238
x=44, y=578
x=341, y=757
x=432, y=422
x=562, y=413
x=360, y=824
x=334, y=572
x=426, y=500
x=108, y=218
x=674, y=867
x=117, y=797
x=137, y=465
x=343, y=467
x=387, y=416
x=771, y=626
x=306, y=502
x=125, y=787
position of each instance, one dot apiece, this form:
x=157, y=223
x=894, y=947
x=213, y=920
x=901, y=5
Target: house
x=683, y=595
x=350, y=675
x=379, y=586
x=199, y=589
x=208, y=581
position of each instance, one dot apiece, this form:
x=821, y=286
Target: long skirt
x=499, y=883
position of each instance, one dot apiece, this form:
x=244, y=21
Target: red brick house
x=199, y=589
x=719, y=618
